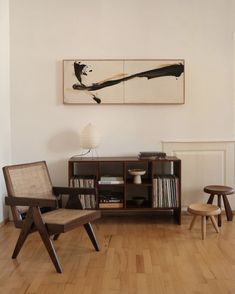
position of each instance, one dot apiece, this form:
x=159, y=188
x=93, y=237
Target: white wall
x=5, y=144
x=43, y=33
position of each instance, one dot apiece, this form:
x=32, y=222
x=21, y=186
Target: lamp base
x=89, y=153
x=94, y=152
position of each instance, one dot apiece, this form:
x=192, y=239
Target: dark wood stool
x=223, y=191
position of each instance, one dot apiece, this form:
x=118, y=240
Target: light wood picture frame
x=124, y=81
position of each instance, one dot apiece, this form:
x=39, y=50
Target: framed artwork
x=126, y=81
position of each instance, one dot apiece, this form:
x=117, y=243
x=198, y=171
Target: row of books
x=87, y=201
x=89, y=181
x=82, y=181
x=166, y=191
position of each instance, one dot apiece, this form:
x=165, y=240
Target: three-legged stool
x=220, y=191
x=204, y=210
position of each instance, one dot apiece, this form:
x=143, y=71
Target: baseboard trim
x=4, y=222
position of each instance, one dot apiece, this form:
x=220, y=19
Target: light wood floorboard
x=139, y=255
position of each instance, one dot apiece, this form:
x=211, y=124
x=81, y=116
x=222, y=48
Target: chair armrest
x=73, y=191
x=26, y=201
x=73, y=201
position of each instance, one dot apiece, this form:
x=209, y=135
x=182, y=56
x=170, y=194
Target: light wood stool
x=204, y=210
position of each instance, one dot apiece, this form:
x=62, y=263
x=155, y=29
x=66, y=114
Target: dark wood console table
x=159, y=190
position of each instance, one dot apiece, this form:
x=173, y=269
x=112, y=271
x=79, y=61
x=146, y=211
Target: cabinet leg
x=177, y=215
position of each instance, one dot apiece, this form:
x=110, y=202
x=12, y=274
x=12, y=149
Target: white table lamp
x=90, y=138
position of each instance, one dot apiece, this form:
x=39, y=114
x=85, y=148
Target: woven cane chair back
x=28, y=180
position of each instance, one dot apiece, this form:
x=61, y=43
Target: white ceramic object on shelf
x=137, y=173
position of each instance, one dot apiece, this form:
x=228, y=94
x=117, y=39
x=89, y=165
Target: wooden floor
x=139, y=255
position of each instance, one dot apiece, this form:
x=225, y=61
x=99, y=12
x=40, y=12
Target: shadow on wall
x=64, y=142
x=59, y=172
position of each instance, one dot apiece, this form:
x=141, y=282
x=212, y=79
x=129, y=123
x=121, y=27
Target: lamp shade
x=90, y=137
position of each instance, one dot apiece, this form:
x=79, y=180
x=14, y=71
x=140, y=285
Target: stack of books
x=152, y=155
x=110, y=180
x=110, y=199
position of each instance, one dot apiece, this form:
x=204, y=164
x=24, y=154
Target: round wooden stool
x=204, y=210
x=220, y=191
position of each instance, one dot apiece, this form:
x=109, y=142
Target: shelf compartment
x=112, y=169
x=166, y=167
x=84, y=169
x=135, y=204
x=142, y=165
x=136, y=192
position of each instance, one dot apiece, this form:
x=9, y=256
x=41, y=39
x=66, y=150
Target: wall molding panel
x=203, y=163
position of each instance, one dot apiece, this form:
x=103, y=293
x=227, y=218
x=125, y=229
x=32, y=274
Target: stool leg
x=203, y=227
x=219, y=215
x=214, y=223
x=192, y=222
x=210, y=201
x=211, y=198
x=228, y=209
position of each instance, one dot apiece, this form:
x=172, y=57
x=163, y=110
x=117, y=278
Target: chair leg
x=56, y=236
x=91, y=235
x=24, y=233
x=46, y=238
x=203, y=227
x=214, y=223
x=192, y=222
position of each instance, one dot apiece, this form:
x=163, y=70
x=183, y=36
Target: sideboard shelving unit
x=97, y=167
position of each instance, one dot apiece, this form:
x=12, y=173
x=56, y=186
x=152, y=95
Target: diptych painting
x=123, y=81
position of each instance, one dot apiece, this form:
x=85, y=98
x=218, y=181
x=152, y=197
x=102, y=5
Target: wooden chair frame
x=44, y=223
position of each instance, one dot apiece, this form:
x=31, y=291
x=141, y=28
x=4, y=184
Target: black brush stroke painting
x=81, y=70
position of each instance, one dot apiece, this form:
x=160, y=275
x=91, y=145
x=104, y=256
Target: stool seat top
x=204, y=209
x=219, y=190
